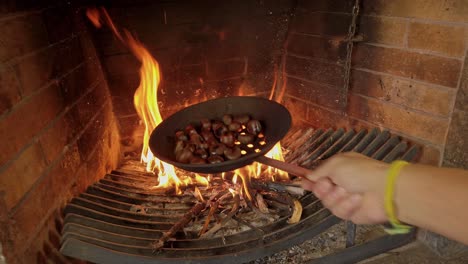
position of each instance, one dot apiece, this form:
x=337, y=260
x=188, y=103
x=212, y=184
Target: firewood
x=187, y=218
x=262, y=206
x=219, y=225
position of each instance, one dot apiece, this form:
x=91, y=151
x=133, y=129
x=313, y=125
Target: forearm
x=435, y=199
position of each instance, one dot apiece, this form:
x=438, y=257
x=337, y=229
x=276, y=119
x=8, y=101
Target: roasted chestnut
x=215, y=159
x=190, y=130
x=233, y=153
x=227, y=119
x=180, y=135
x=228, y=139
x=235, y=126
x=217, y=149
x=201, y=153
x=243, y=119
x=184, y=156
x=205, y=124
x=197, y=160
x=180, y=145
x=254, y=127
x=245, y=138
x=220, y=131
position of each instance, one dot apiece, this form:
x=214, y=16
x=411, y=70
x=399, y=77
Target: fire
x=146, y=104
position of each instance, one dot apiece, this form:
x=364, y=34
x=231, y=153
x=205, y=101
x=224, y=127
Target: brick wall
x=206, y=49
x=405, y=74
x=56, y=124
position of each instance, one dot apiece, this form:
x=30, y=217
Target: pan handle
x=287, y=167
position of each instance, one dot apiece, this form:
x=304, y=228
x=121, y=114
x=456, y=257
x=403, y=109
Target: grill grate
x=116, y=219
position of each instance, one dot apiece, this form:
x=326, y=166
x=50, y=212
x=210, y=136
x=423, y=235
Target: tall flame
x=145, y=99
x=146, y=104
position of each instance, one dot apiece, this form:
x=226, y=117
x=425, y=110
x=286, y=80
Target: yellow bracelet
x=396, y=226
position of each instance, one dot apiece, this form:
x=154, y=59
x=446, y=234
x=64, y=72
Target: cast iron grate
x=105, y=224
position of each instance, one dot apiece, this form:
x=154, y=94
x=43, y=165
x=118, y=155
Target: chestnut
x=245, y=138
x=216, y=125
x=197, y=160
x=215, y=159
x=184, y=156
x=196, y=139
x=227, y=119
x=233, y=153
x=220, y=131
x=254, y=127
x=201, y=153
x=180, y=135
x=180, y=145
x=243, y=119
x=190, y=130
x=227, y=139
x=207, y=135
x=235, y=127
x=217, y=149
x=205, y=124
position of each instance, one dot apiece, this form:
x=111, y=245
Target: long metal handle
x=287, y=167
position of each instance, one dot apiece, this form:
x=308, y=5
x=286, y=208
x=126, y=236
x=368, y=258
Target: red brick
x=56, y=138
x=429, y=155
x=316, y=47
x=316, y=71
x=92, y=102
x=92, y=135
x=18, y=128
x=125, y=64
x=79, y=80
x=37, y=70
x=383, y=30
x=21, y=35
x=21, y=174
x=314, y=93
x=424, y=67
x=408, y=93
x=449, y=40
x=9, y=89
x=51, y=191
x=393, y=117
x=324, y=24
x=454, y=10
x=297, y=108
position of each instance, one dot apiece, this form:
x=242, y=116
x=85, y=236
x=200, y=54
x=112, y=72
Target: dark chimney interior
x=66, y=88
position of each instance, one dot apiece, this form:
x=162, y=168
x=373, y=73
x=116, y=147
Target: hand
x=352, y=187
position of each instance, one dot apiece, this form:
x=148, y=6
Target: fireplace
x=68, y=119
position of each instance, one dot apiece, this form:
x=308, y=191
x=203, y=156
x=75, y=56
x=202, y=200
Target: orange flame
x=145, y=100
x=146, y=104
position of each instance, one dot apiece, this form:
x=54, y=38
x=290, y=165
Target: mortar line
x=447, y=88
x=419, y=51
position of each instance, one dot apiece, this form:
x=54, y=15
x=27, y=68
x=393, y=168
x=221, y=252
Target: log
x=195, y=211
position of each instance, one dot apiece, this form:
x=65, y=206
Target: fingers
x=337, y=199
